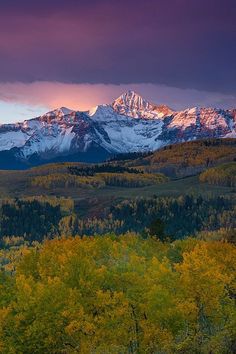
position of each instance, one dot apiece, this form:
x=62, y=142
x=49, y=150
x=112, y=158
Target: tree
x=157, y=228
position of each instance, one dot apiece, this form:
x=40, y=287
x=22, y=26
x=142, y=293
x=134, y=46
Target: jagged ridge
x=129, y=124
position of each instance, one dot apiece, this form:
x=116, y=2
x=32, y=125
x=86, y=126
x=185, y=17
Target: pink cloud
x=85, y=96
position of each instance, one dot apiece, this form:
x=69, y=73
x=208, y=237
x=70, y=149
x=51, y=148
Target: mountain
x=129, y=124
x=133, y=105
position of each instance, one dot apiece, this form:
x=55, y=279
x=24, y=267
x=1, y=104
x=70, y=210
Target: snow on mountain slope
x=48, y=140
x=11, y=139
x=58, y=113
x=127, y=134
x=129, y=124
x=202, y=122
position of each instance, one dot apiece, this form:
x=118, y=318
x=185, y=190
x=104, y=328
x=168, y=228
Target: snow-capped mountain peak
x=58, y=113
x=65, y=110
x=134, y=105
x=131, y=100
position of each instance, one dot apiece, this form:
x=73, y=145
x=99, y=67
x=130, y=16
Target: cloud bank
x=36, y=97
x=184, y=43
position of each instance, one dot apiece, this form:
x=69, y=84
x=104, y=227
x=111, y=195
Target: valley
x=117, y=177
x=97, y=190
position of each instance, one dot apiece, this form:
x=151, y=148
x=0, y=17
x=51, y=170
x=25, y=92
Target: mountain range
x=129, y=124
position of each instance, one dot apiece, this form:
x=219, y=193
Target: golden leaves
x=119, y=295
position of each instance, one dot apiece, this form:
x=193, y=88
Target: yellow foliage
x=120, y=295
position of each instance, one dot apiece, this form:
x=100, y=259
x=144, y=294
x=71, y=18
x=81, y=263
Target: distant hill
x=188, y=158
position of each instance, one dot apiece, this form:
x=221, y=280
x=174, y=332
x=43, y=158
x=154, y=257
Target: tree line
x=32, y=220
x=166, y=217
x=98, y=180
x=105, y=168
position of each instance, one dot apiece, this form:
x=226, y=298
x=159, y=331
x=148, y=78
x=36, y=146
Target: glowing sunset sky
x=79, y=53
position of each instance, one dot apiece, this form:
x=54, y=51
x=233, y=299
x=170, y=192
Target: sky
x=79, y=53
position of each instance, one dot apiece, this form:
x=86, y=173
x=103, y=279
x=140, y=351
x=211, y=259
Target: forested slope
x=188, y=158
x=223, y=175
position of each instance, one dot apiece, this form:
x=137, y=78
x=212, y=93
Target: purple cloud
x=181, y=43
